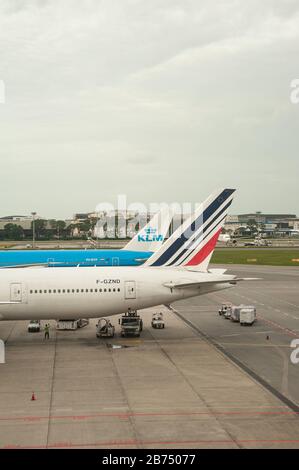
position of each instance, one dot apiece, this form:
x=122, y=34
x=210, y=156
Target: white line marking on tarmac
x=63, y=409
x=290, y=303
x=227, y=336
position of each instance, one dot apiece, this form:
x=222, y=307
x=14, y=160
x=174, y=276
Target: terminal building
x=267, y=224
x=260, y=218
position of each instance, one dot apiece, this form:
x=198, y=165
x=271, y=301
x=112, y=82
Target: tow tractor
x=225, y=309
x=157, y=320
x=34, y=326
x=105, y=329
x=131, y=323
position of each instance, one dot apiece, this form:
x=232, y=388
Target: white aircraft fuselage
x=93, y=292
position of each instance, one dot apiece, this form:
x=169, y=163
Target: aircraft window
x=96, y=290
x=105, y=290
x=91, y=290
x=86, y=290
x=82, y=290
x=118, y=290
x=109, y=290
x=54, y=291
x=68, y=291
x=45, y=291
x=113, y=290
x=58, y=291
x=100, y=290
x=40, y=291
x=50, y=291
x=63, y=290
x=31, y=292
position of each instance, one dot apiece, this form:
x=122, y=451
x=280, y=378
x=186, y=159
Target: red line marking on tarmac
x=34, y=419
x=276, y=325
x=168, y=442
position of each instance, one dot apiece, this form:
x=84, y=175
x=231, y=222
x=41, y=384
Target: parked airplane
x=136, y=252
x=178, y=270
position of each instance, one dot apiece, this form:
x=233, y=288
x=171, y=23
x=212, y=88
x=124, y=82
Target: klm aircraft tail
x=151, y=237
x=193, y=243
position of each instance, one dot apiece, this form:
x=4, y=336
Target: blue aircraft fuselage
x=65, y=258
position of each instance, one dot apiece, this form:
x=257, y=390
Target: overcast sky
x=162, y=100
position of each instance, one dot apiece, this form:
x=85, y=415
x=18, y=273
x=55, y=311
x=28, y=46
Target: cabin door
x=16, y=292
x=130, y=290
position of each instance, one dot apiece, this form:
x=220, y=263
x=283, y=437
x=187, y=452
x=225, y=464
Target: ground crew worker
x=47, y=331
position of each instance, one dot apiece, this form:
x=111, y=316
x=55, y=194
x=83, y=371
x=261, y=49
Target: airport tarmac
x=169, y=388
x=276, y=297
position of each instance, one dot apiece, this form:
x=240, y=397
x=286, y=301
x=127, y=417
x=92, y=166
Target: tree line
x=47, y=230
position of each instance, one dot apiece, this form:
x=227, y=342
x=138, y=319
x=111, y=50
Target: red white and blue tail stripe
x=193, y=243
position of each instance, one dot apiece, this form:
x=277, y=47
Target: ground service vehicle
x=228, y=313
x=105, y=329
x=235, y=313
x=131, y=324
x=224, y=307
x=158, y=321
x=34, y=326
x=247, y=315
x=71, y=324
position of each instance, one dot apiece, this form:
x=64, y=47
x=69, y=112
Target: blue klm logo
x=150, y=235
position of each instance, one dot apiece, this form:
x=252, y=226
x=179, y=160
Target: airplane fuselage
x=47, y=293
x=71, y=258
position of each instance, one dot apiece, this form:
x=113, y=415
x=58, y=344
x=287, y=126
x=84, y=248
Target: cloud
x=102, y=96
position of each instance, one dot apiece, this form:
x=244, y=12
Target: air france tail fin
x=193, y=243
x=151, y=237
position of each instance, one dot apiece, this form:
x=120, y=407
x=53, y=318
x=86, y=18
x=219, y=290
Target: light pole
x=33, y=229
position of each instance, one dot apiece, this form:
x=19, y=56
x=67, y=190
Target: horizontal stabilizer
x=191, y=284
